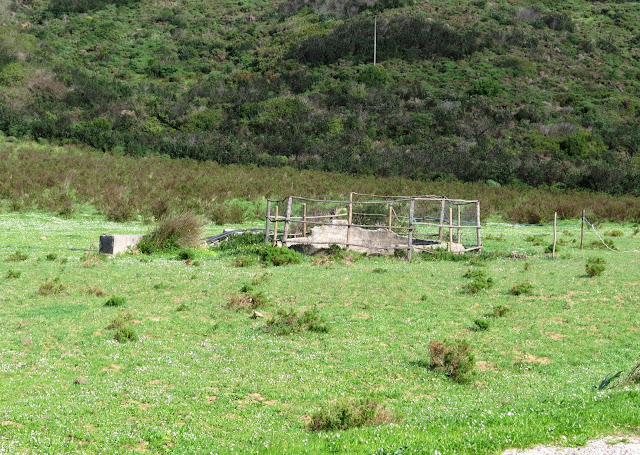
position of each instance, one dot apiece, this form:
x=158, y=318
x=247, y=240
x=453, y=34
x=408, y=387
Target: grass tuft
x=51, y=287
x=287, y=322
x=18, y=256
x=453, y=358
x=524, y=288
x=350, y=413
x=595, y=266
x=115, y=301
x=179, y=231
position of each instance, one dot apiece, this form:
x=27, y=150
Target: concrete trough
x=114, y=244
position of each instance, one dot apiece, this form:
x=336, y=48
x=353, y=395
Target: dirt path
x=605, y=446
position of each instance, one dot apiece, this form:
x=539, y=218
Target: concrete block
x=114, y=244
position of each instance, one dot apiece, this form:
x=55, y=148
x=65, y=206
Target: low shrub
x=247, y=242
x=172, y=232
x=480, y=281
x=243, y=261
x=499, y=311
x=603, y=245
x=121, y=321
x=126, y=334
x=247, y=300
x=480, y=325
x=286, y=322
x=441, y=254
x=614, y=233
x=595, y=266
x=524, y=288
x=51, y=257
x=279, y=256
x=453, y=358
x=116, y=301
x=13, y=274
x=186, y=254
x=18, y=256
x=350, y=413
x=52, y=286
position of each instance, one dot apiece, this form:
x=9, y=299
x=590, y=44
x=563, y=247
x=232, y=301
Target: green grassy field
x=205, y=378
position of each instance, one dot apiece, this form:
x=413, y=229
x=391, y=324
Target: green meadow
x=151, y=353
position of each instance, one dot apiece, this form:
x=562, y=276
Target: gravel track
x=605, y=446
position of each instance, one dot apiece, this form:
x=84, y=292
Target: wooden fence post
x=287, y=221
x=478, y=225
x=410, y=249
x=304, y=220
x=450, y=229
x=350, y=218
x=555, y=234
x=390, y=216
x=441, y=230
x=267, y=222
x=275, y=228
x=458, y=223
x=582, y=232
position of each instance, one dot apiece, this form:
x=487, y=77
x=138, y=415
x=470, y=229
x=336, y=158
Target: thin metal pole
x=375, y=40
x=267, y=223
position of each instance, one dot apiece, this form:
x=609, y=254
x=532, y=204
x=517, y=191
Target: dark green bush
x=279, y=256
x=125, y=334
x=286, y=322
x=186, y=254
x=480, y=325
x=524, y=288
x=115, y=301
x=11, y=274
x=350, y=413
x=453, y=358
x=595, y=266
x=499, y=311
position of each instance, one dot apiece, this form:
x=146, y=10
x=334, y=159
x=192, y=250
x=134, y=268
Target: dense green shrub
x=595, y=266
x=349, y=413
x=126, y=334
x=286, y=322
x=279, y=255
x=480, y=325
x=116, y=301
x=524, y=288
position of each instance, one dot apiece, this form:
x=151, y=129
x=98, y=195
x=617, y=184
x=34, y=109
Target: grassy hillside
x=512, y=91
x=192, y=372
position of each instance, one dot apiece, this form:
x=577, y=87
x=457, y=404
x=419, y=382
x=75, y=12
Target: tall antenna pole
x=375, y=39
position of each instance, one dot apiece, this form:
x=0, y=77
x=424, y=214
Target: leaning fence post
x=555, y=234
x=275, y=228
x=287, y=220
x=410, y=249
x=459, y=223
x=267, y=222
x=582, y=232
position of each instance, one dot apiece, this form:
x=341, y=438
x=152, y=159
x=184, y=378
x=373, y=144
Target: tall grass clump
x=524, y=288
x=17, y=256
x=279, y=256
x=479, y=281
x=453, y=358
x=51, y=287
x=350, y=413
x=173, y=232
x=287, y=322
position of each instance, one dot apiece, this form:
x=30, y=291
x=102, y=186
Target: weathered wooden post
x=410, y=246
x=287, y=221
x=582, y=231
x=555, y=234
x=350, y=218
x=275, y=228
x=441, y=230
x=478, y=225
x=450, y=229
x=390, y=216
x=304, y=220
x=459, y=223
x=267, y=222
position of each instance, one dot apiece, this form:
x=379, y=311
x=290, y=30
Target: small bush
x=454, y=359
x=186, y=255
x=480, y=281
x=116, y=301
x=524, y=288
x=18, y=256
x=51, y=257
x=13, y=274
x=480, y=325
x=246, y=242
x=473, y=274
x=279, y=256
x=379, y=270
x=603, y=245
x=346, y=414
x=595, y=266
x=121, y=321
x=441, y=254
x=535, y=240
x=126, y=334
x=52, y=286
x=286, y=322
x=614, y=233
x=247, y=300
x=499, y=311
x=243, y=261
x=180, y=231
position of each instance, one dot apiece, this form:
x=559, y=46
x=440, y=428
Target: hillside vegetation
x=513, y=91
